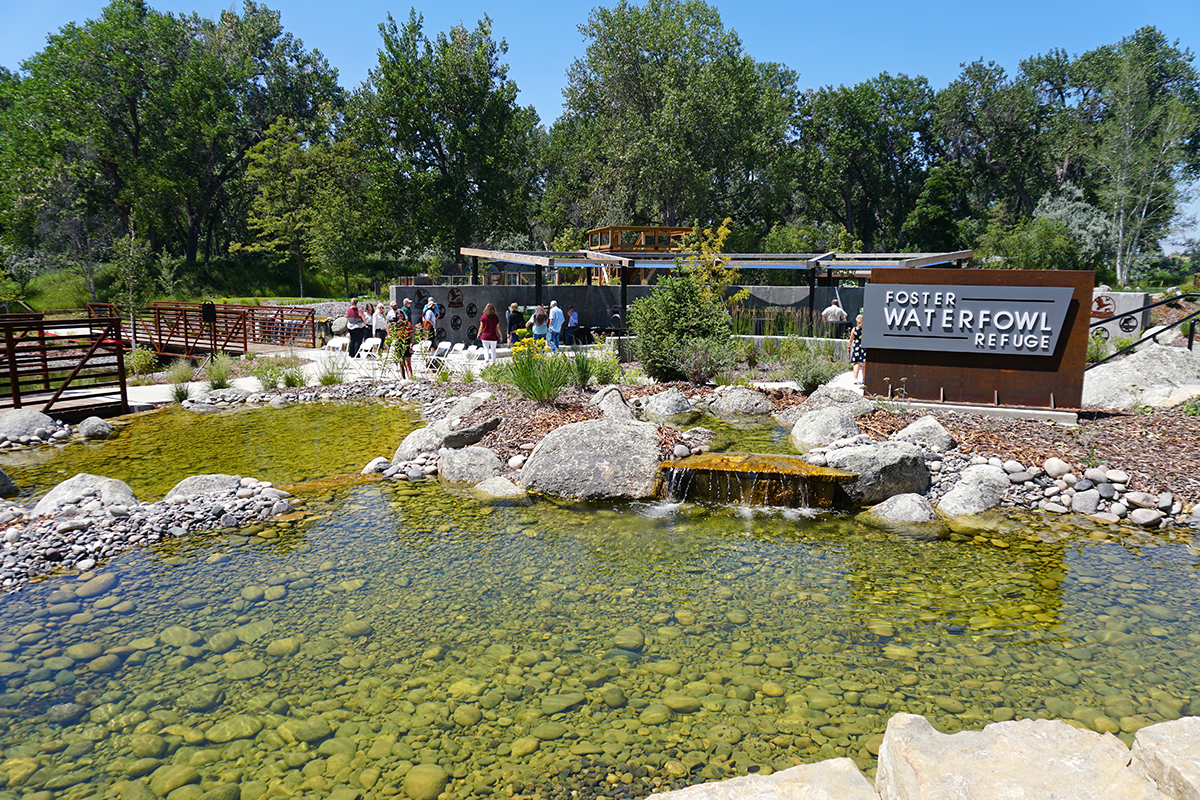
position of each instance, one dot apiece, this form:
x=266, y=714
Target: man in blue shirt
x=572, y=326
x=556, y=325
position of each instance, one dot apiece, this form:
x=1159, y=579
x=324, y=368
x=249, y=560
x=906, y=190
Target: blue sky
x=827, y=43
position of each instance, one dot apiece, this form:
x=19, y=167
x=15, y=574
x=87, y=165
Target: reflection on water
x=154, y=451
x=561, y=648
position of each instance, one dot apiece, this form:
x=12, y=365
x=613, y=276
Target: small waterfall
x=751, y=479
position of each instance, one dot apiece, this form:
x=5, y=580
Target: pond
x=566, y=650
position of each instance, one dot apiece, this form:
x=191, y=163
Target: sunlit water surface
x=567, y=650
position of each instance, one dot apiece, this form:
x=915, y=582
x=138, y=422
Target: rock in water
x=95, y=428
x=595, y=460
x=884, y=469
x=667, y=404
x=213, y=483
x=7, y=487
x=979, y=488
x=905, y=508
x=23, y=422
x=425, y=782
x=822, y=427
x=1029, y=758
x=470, y=465
x=110, y=491
x=835, y=779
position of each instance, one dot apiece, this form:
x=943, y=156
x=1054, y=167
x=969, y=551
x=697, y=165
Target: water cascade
x=756, y=479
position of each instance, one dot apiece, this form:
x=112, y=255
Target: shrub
x=268, y=373
x=676, y=311
x=333, y=371
x=1192, y=407
x=582, y=363
x=700, y=360
x=1121, y=342
x=749, y=353
x=811, y=366
x=535, y=374
x=178, y=375
x=1097, y=348
x=293, y=377
x=467, y=375
x=219, y=371
x=606, y=368
x=141, y=361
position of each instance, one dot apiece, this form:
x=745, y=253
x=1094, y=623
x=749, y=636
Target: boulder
x=1168, y=755
x=423, y=440
x=825, y=397
x=979, y=488
x=469, y=465
x=612, y=403
x=23, y=422
x=1056, y=467
x=498, y=488
x=470, y=435
x=822, y=427
x=338, y=326
x=926, y=432
x=1029, y=758
x=110, y=492
x=1154, y=375
x=468, y=404
x=835, y=779
x=741, y=402
x=595, y=460
x=884, y=469
x=205, y=484
x=667, y=404
x=7, y=487
x=905, y=508
x=95, y=428
x=378, y=464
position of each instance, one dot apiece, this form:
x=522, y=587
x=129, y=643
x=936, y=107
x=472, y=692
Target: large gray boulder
x=109, y=491
x=470, y=465
x=423, y=440
x=926, y=432
x=7, y=487
x=1031, y=758
x=826, y=396
x=612, y=404
x=95, y=428
x=884, y=469
x=739, y=401
x=1154, y=375
x=835, y=779
x=1168, y=755
x=979, y=488
x=467, y=405
x=465, y=437
x=822, y=427
x=666, y=404
x=213, y=483
x=23, y=422
x=338, y=326
x=596, y=459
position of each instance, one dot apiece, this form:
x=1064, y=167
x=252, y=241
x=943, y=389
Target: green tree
x=705, y=263
x=667, y=120
x=135, y=280
x=343, y=222
x=453, y=148
x=676, y=314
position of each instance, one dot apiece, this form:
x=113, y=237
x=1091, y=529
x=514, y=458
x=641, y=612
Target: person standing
x=513, y=322
x=556, y=325
x=392, y=313
x=429, y=320
x=356, y=326
x=539, y=326
x=858, y=354
x=406, y=310
x=489, y=333
x=572, y=326
x=379, y=323
x=834, y=313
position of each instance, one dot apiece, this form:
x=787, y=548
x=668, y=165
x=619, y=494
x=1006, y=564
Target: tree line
x=226, y=141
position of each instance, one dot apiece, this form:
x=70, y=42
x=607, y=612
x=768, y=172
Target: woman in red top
x=489, y=333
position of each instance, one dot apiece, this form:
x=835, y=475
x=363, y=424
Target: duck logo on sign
x=455, y=298
x=1009, y=320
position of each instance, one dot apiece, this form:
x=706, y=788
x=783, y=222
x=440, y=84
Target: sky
x=827, y=43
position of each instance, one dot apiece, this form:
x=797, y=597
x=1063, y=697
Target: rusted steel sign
x=1020, y=320
x=1000, y=337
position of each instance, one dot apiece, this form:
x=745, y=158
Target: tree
x=343, y=223
x=132, y=258
x=675, y=315
x=705, y=264
x=453, y=148
x=933, y=225
x=1086, y=224
x=667, y=120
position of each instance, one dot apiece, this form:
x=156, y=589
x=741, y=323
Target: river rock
x=667, y=404
x=1029, y=758
x=378, y=464
x=213, y=483
x=7, y=487
x=423, y=440
x=470, y=465
x=109, y=491
x=1168, y=755
x=595, y=460
x=834, y=779
x=1086, y=502
x=499, y=488
x=884, y=469
x=825, y=397
x=95, y=428
x=979, y=488
x=239, y=726
x=822, y=427
x=425, y=782
x=909, y=507
x=470, y=435
x=739, y=401
x=926, y=432
x=23, y=422
x=612, y=403
x=1056, y=467
x=314, y=729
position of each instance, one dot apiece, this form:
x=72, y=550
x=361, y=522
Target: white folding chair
x=338, y=344
x=438, y=357
x=369, y=348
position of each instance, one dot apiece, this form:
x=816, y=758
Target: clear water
x=563, y=650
